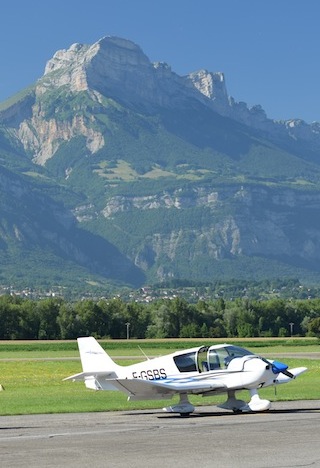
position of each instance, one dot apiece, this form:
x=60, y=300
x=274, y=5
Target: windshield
x=219, y=358
x=206, y=359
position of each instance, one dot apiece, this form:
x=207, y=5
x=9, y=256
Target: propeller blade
x=279, y=367
x=288, y=374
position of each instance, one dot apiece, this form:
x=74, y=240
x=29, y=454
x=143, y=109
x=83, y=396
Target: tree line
x=56, y=318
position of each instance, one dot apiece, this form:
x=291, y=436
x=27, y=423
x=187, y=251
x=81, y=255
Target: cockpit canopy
x=207, y=358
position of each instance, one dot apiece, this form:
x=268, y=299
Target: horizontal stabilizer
x=95, y=380
x=85, y=375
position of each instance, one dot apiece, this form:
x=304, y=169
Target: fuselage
x=235, y=366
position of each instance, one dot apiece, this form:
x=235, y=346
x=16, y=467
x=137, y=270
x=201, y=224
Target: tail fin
x=94, y=358
x=98, y=367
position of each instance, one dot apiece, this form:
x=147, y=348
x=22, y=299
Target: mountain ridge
x=170, y=176
x=87, y=68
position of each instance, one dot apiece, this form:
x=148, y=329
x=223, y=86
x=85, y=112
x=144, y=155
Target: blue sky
x=267, y=49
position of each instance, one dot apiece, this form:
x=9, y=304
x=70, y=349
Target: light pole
x=291, y=328
x=128, y=326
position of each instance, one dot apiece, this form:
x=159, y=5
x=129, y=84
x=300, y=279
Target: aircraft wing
x=156, y=389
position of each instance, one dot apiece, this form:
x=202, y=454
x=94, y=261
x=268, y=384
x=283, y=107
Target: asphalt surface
x=286, y=436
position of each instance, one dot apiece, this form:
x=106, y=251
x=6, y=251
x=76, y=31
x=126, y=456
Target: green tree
x=48, y=312
x=9, y=318
x=138, y=316
x=29, y=320
x=69, y=322
x=314, y=327
x=230, y=317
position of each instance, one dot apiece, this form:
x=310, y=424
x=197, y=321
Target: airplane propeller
x=279, y=368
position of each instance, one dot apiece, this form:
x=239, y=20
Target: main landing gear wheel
x=184, y=407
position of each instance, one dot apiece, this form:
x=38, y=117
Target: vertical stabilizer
x=94, y=358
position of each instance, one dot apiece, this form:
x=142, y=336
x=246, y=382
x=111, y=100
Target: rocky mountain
x=118, y=170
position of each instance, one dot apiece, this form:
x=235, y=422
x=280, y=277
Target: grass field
x=32, y=375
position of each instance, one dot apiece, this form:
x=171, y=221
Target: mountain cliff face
x=37, y=223
x=169, y=175
x=118, y=68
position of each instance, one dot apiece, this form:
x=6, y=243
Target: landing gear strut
x=233, y=403
x=184, y=407
x=240, y=406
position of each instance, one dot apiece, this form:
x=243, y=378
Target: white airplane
x=205, y=370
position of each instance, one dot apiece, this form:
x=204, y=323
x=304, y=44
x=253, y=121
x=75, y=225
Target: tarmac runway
x=286, y=436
